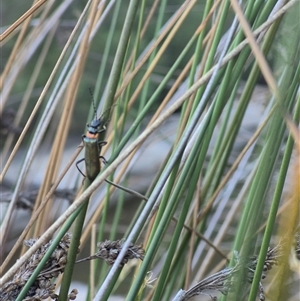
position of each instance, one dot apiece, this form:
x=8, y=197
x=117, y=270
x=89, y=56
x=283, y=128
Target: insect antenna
x=93, y=101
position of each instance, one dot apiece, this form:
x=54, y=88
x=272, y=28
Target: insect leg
x=79, y=161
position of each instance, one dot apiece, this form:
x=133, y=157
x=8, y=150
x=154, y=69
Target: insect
x=93, y=150
x=93, y=146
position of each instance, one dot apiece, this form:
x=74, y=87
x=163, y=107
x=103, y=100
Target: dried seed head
x=43, y=286
x=261, y=293
x=272, y=258
x=73, y=294
x=109, y=251
x=220, y=281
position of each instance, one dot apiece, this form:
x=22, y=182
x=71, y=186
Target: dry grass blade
x=261, y=60
x=22, y=19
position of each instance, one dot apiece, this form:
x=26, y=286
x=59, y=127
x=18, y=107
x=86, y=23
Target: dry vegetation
x=189, y=187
